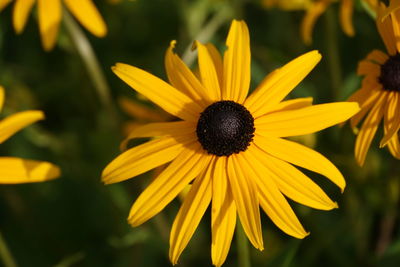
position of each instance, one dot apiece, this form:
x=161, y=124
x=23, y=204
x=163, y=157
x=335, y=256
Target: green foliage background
x=77, y=221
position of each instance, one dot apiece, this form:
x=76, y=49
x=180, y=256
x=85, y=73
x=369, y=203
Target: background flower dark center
x=390, y=74
x=224, y=128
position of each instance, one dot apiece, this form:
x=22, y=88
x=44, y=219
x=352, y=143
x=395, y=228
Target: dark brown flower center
x=225, y=128
x=390, y=74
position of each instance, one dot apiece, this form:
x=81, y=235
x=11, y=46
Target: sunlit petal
x=18, y=121
x=17, y=171
x=49, y=21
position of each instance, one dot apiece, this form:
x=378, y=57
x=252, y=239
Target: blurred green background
x=77, y=221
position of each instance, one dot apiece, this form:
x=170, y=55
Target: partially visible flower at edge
x=50, y=15
x=379, y=95
x=16, y=170
x=315, y=8
x=228, y=145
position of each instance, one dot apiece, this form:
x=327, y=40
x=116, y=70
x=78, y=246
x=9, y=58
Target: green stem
x=91, y=63
x=223, y=15
x=243, y=247
x=333, y=54
x=5, y=254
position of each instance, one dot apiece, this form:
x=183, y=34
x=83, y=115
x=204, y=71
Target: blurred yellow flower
x=50, y=13
x=16, y=170
x=379, y=95
x=228, y=144
x=315, y=8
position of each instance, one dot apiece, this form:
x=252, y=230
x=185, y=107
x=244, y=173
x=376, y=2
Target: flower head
x=228, y=144
x=50, y=13
x=16, y=170
x=379, y=95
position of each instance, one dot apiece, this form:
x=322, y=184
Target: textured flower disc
x=390, y=74
x=225, y=128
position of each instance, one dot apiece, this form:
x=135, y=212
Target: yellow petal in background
x=88, y=15
x=278, y=84
x=4, y=3
x=190, y=163
x=22, y=8
x=369, y=128
x=237, y=63
x=244, y=191
x=305, y=120
x=18, y=121
x=17, y=171
x=1, y=97
x=223, y=213
x=391, y=117
x=159, y=92
x=346, y=14
x=314, y=11
x=49, y=21
x=301, y=156
x=191, y=212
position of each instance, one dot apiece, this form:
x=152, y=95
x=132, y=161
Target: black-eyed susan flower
x=50, y=14
x=379, y=95
x=16, y=170
x=228, y=144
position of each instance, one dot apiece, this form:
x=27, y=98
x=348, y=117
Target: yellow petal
x=305, y=120
x=158, y=91
x=208, y=73
x=385, y=29
x=189, y=163
x=313, y=13
x=366, y=67
x=237, y=63
x=293, y=104
x=293, y=183
x=271, y=199
x=18, y=171
x=1, y=97
x=218, y=63
x=244, y=191
x=142, y=112
x=4, y=3
x=18, y=121
x=280, y=83
x=391, y=117
x=142, y=158
x=21, y=11
x=394, y=146
x=377, y=56
x=88, y=15
x=369, y=128
x=223, y=213
x=177, y=128
x=301, y=156
x=190, y=213
x=49, y=21
x=366, y=98
x=346, y=14
x=396, y=28
x=183, y=79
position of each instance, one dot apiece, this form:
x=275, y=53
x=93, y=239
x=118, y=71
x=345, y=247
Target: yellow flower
x=50, y=13
x=228, y=144
x=379, y=95
x=315, y=8
x=16, y=170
